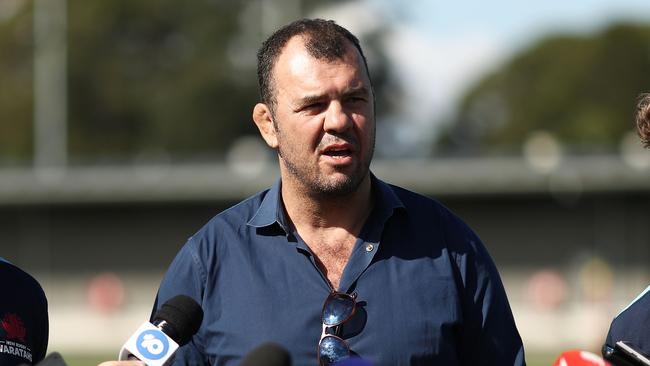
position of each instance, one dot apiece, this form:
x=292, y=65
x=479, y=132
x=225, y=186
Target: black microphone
x=268, y=354
x=623, y=354
x=173, y=326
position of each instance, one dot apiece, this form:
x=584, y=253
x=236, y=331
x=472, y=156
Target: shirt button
x=369, y=247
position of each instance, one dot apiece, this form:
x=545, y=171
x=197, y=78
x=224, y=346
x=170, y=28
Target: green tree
x=148, y=78
x=16, y=107
x=155, y=77
x=582, y=89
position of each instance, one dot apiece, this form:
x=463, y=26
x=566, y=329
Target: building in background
x=571, y=243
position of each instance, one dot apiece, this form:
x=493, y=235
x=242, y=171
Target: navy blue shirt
x=24, y=323
x=631, y=325
x=428, y=292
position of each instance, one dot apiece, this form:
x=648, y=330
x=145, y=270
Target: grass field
x=541, y=359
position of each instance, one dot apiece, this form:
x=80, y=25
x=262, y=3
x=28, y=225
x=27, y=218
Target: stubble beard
x=313, y=181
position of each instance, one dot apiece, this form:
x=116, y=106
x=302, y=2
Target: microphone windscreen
x=268, y=354
x=183, y=314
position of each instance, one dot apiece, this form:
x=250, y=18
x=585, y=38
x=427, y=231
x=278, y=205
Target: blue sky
x=515, y=20
x=440, y=48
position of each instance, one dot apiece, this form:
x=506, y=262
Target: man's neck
x=315, y=211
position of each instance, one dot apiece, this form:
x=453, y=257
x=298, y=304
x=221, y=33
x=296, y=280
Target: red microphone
x=580, y=358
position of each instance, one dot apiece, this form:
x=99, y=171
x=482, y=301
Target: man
x=631, y=325
x=23, y=317
x=425, y=288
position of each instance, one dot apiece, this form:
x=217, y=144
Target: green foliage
x=147, y=79
x=16, y=108
x=151, y=77
x=582, y=89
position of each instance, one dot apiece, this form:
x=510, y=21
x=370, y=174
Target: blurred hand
x=122, y=363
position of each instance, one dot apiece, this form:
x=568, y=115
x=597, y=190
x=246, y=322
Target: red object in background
x=580, y=358
x=547, y=289
x=106, y=293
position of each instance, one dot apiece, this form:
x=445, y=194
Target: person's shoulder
x=429, y=214
x=19, y=279
x=419, y=205
x=639, y=308
x=206, y=245
x=229, y=220
x=24, y=314
x=413, y=200
x=629, y=324
x=240, y=213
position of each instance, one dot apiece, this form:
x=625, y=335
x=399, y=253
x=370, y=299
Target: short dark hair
x=643, y=119
x=324, y=39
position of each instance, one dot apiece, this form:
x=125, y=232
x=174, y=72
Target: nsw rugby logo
x=14, y=327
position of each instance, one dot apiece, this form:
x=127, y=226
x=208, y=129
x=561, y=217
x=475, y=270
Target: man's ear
x=264, y=121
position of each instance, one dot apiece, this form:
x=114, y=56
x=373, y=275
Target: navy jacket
x=23, y=317
x=632, y=325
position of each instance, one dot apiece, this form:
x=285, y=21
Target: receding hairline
x=304, y=39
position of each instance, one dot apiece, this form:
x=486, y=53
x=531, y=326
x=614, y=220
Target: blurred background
x=125, y=126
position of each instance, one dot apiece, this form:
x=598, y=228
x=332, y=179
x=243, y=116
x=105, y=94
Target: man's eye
x=314, y=107
x=356, y=100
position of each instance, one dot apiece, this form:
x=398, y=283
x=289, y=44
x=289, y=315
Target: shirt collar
x=271, y=209
x=386, y=200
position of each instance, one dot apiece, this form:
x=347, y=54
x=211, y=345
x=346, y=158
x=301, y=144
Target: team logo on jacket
x=14, y=327
x=12, y=337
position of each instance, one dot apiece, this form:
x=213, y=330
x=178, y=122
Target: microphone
x=623, y=354
x=173, y=326
x=268, y=354
x=579, y=358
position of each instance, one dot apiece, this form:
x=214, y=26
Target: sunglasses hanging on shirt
x=338, y=308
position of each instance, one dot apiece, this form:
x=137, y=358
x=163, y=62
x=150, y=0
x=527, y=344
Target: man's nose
x=337, y=118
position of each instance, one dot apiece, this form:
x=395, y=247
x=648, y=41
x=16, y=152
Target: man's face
x=323, y=119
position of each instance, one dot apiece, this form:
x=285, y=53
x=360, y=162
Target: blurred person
x=631, y=325
x=24, y=326
x=643, y=119
x=331, y=261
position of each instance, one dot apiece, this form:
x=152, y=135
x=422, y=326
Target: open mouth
x=338, y=152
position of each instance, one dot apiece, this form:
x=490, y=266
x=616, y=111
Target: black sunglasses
x=338, y=308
